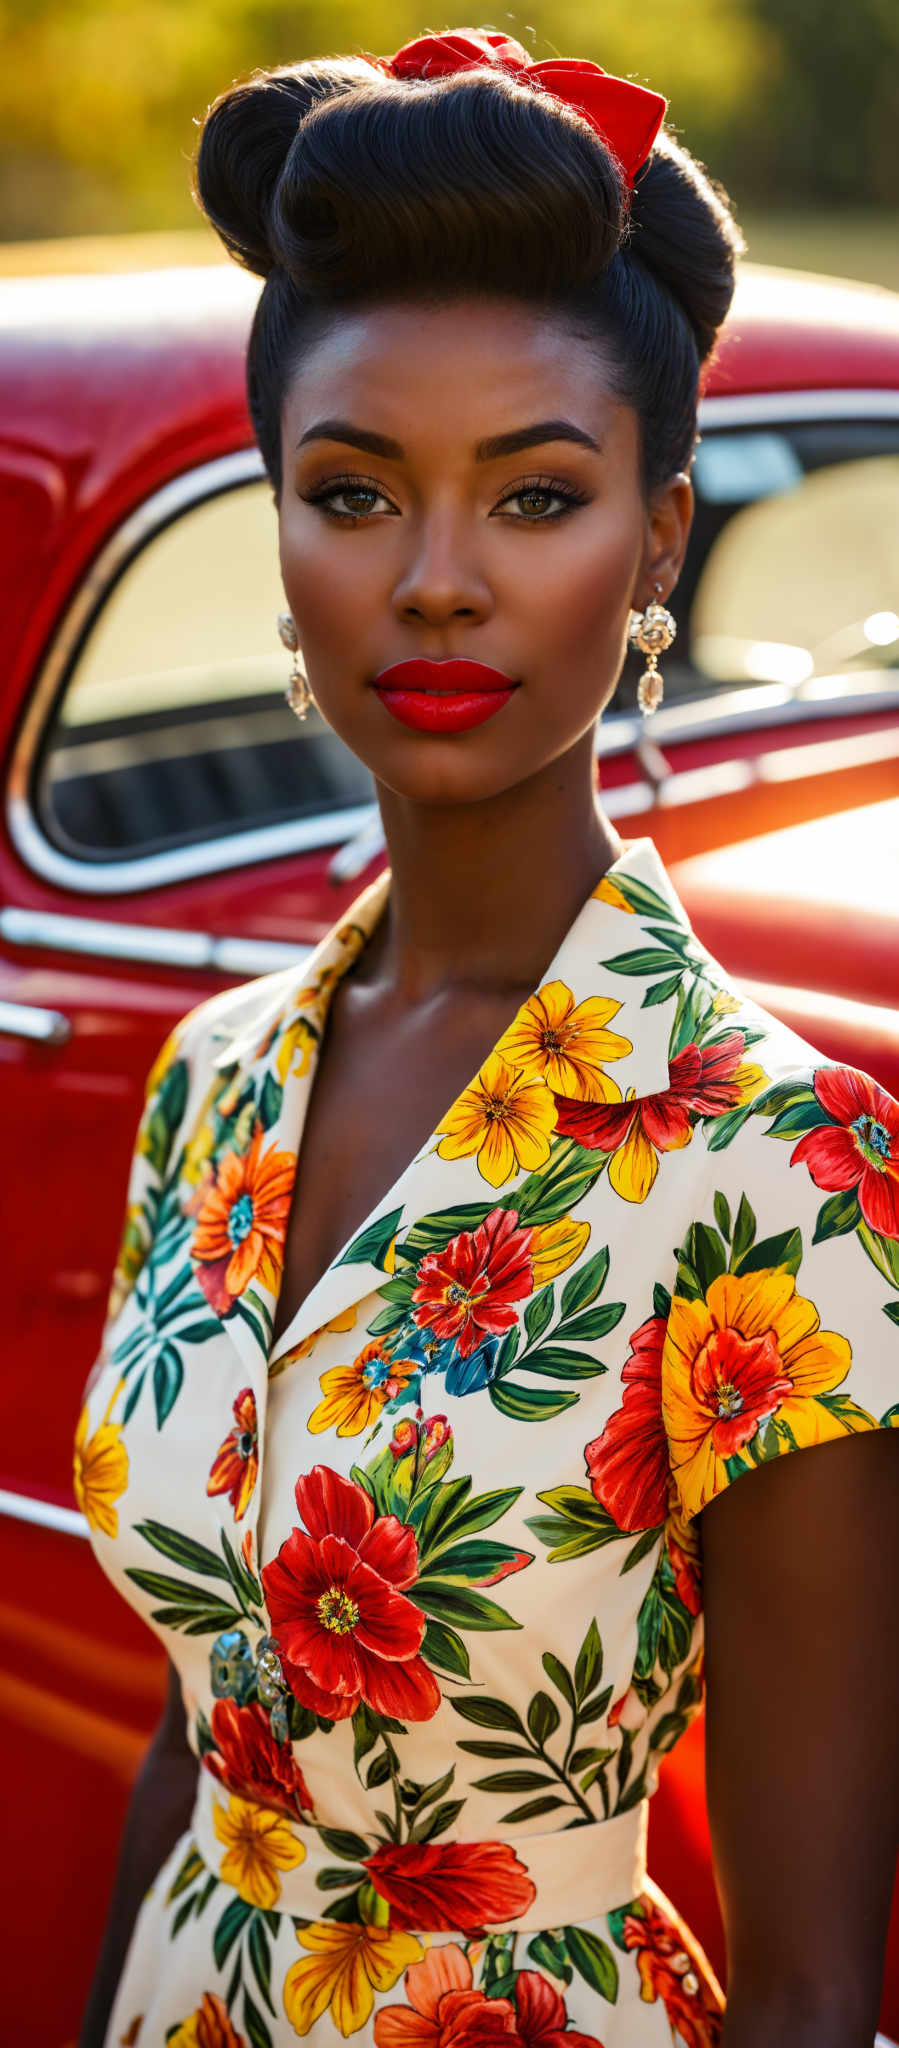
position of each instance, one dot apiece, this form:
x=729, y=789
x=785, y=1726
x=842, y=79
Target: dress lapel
x=263, y=1068
x=612, y=952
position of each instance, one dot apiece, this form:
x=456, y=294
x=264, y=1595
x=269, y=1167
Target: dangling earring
x=297, y=693
x=652, y=631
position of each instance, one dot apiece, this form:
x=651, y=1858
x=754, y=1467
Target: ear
x=669, y=519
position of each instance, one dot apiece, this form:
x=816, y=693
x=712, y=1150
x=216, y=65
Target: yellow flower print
x=752, y=1349
x=565, y=1044
x=100, y=1471
x=608, y=892
x=346, y=1320
x=353, y=1395
x=258, y=1843
x=555, y=1246
x=505, y=1118
x=724, y=1003
x=133, y=1248
x=300, y=1038
x=347, y=1965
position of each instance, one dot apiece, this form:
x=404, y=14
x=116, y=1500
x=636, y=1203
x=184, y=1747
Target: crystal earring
x=297, y=693
x=651, y=631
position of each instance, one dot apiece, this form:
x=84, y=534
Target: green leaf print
x=585, y=1283
x=558, y=1188
x=594, y=1961
x=528, y=1404
x=577, y=1525
x=372, y=1245
x=539, y=1313
x=256, y=2027
x=838, y=1215
x=229, y=1929
x=168, y=1374
x=785, y=1249
x=165, y=1115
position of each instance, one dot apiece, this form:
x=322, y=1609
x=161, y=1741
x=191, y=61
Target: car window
x=172, y=729
x=793, y=565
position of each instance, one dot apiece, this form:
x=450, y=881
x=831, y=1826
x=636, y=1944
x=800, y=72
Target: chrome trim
x=43, y=1027
x=749, y=407
x=159, y=945
x=271, y=842
x=22, y=1507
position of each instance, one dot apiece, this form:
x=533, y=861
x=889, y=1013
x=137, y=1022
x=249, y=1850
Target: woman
x=416, y=1441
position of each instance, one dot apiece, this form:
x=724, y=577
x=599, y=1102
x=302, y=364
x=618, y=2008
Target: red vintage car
x=168, y=829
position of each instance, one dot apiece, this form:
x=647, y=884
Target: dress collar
x=623, y=944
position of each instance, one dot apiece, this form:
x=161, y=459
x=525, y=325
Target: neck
x=484, y=893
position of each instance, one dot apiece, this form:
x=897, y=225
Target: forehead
x=405, y=365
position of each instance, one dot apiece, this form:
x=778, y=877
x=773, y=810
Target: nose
x=441, y=577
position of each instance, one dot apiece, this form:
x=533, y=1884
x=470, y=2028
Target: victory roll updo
x=341, y=185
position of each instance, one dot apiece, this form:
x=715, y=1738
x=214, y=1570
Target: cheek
x=325, y=584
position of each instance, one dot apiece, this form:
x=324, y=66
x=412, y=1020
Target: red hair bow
x=627, y=116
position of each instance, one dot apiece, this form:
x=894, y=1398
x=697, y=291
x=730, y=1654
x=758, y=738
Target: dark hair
x=340, y=185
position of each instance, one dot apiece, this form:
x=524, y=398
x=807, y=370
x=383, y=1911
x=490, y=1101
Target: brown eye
x=542, y=490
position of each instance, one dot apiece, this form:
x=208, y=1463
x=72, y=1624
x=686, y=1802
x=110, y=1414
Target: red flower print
x=435, y=1886
x=542, y=2017
x=249, y=1761
x=684, y=1563
x=628, y=1462
x=739, y=1382
x=236, y=1463
x=859, y=1148
x=444, y=2010
x=703, y=1081
x=467, y=1292
x=670, y=1970
x=336, y=1598
x=242, y=1221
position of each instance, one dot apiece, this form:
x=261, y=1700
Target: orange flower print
x=703, y=1081
x=208, y=2027
x=236, y=1464
x=565, y=1044
x=242, y=1222
x=353, y=1395
x=752, y=1349
x=671, y=1969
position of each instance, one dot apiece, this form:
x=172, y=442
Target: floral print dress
x=429, y=1567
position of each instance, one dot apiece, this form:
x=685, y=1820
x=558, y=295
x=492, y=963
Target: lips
x=443, y=696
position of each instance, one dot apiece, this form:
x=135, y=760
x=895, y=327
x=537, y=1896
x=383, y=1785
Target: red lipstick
x=443, y=696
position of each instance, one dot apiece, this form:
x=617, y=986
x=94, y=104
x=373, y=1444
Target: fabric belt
x=577, y=1874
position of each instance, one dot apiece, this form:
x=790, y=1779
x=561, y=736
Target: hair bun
x=247, y=137
x=683, y=229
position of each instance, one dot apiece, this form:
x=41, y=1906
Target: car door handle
x=24, y=1020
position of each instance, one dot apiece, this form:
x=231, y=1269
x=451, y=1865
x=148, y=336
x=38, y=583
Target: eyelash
x=545, y=486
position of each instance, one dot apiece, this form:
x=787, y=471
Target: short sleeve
x=783, y=1330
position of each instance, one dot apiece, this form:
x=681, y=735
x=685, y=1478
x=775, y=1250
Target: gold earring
x=652, y=631
x=297, y=693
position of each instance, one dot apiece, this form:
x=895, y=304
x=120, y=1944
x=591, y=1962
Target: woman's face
x=404, y=534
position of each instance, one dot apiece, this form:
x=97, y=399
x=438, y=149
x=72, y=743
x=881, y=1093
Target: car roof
x=787, y=329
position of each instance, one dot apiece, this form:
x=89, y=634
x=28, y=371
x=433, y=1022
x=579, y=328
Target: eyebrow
x=485, y=451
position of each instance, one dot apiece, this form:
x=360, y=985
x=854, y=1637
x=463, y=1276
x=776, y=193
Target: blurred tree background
x=793, y=104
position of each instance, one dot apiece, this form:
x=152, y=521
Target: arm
x=801, y=1598
x=158, y=1813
